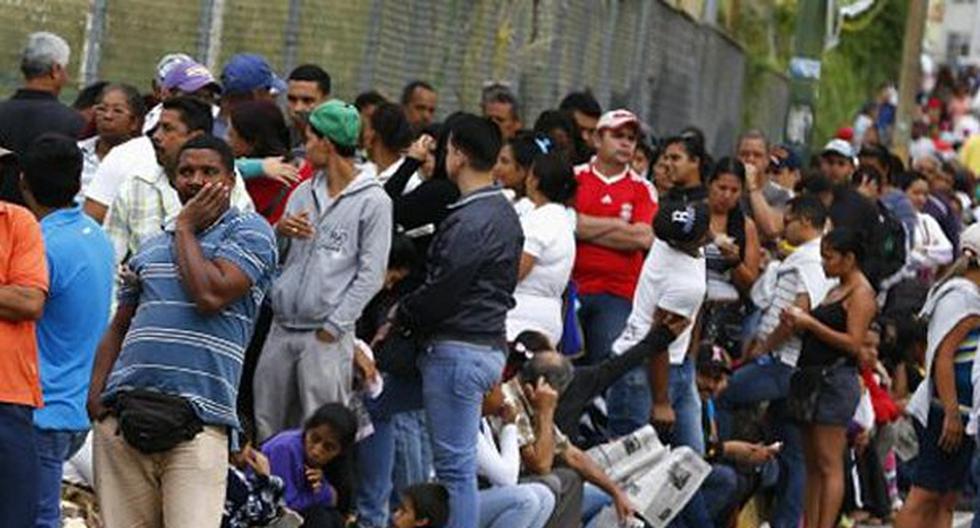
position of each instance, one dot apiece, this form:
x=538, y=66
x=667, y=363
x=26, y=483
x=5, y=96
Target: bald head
x=555, y=368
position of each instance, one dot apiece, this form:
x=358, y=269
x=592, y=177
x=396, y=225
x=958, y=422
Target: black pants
x=321, y=517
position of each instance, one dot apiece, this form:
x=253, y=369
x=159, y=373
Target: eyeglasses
x=114, y=110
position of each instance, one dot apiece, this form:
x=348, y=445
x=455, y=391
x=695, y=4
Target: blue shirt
x=173, y=348
x=80, y=270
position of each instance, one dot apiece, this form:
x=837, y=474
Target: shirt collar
x=62, y=216
x=27, y=93
x=607, y=179
x=493, y=189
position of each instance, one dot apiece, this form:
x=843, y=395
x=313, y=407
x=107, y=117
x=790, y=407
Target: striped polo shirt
x=173, y=348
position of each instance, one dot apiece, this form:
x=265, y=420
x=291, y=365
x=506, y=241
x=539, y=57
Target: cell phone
x=775, y=446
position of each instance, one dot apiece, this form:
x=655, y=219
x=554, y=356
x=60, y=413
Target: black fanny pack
x=154, y=422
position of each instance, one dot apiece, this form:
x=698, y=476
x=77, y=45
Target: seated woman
x=505, y=503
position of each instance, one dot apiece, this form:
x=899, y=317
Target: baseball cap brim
x=618, y=123
x=278, y=85
x=193, y=85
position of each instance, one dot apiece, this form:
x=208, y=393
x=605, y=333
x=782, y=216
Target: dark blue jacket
x=472, y=272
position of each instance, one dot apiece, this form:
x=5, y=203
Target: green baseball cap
x=337, y=121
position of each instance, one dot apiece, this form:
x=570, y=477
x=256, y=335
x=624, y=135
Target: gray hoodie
x=326, y=281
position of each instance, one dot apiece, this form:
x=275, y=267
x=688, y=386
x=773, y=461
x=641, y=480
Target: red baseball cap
x=614, y=119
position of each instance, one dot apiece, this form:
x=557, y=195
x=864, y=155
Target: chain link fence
x=639, y=54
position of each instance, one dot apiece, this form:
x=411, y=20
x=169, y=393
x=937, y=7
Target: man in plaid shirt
x=146, y=202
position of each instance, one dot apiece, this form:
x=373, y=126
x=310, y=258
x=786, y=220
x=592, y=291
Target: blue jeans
x=54, y=448
x=455, y=376
x=375, y=460
x=767, y=379
x=18, y=458
x=628, y=402
x=522, y=506
x=593, y=501
x=718, y=492
x=603, y=317
x=975, y=472
x=413, y=450
x=686, y=401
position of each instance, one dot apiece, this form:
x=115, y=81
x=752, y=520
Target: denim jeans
x=522, y=506
x=686, y=402
x=53, y=449
x=593, y=501
x=628, y=402
x=455, y=376
x=603, y=317
x=767, y=379
x=375, y=459
x=18, y=458
x=413, y=450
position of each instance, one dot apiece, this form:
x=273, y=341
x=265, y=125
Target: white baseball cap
x=970, y=241
x=840, y=147
x=614, y=119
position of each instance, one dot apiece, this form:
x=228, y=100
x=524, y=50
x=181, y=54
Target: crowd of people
x=240, y=301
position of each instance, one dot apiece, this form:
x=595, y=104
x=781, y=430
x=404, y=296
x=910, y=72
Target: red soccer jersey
x=599, y=269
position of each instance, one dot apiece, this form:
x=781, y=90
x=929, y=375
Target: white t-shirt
x=670, y=280
x=550, y=238
x=135, y=156
x=953, y=301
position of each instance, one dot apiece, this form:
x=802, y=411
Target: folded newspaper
x=659, y=481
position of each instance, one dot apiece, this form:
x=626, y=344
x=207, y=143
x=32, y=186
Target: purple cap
x=246, y=72
x=189, y=77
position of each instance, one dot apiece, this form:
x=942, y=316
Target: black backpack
x=889, y=253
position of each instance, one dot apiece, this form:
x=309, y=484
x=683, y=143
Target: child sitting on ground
x=422, y=505
x=315, y=465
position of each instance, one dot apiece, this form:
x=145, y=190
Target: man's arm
x=614, y=233
x=26, y=285
x=105, y=358
x=372, y=260
x=21, y=303
x=95, y=209
x=211, y=284
x=583, y=464
x=783, y=331
x=769, y=220
x=540, y=455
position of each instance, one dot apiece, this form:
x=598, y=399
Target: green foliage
x=853, y=70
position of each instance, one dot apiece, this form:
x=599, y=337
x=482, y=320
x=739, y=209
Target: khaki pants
x=296, y=375
x=181, y=488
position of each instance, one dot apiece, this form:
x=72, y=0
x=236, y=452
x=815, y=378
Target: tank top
x=816, y=353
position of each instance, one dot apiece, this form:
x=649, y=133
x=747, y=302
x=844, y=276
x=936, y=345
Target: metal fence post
x=291, y=47
x=209, y=32
x=88, y=66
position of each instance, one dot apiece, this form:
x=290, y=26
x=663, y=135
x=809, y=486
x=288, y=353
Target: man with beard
x=147, y=201
x=167, y=371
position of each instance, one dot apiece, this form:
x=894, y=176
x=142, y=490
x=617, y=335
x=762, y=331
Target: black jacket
x=24, y=117
x=472, y=272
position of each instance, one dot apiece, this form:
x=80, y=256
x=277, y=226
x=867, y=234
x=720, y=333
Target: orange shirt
x=22, y=263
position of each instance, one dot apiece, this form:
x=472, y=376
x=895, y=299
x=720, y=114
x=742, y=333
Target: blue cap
x=246, y=72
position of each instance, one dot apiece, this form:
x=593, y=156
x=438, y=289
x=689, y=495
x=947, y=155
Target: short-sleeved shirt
x=22, y=264
x=81, y=271
x=134, y=157
x=170, y=346
x=672, y=281
x=599, y=269
x=548, y=237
